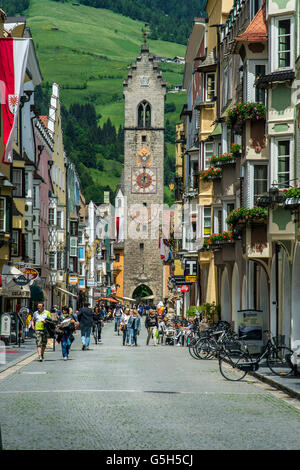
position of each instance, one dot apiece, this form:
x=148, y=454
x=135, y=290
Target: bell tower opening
x=144, y=115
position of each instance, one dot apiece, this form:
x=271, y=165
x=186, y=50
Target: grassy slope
x=93, y=48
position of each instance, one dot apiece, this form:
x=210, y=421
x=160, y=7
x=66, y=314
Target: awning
x=126, y=298
x=66, y=292
x=149, y=297
x=108, y=298
x=217, y=130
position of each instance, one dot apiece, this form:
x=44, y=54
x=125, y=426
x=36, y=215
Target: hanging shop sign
x=184, y=289
x=21, y=280
x=30, y=273
x=73, y=280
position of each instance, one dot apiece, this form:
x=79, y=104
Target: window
x=60, y=260
x=59, y=219
x=144, y=114
x=260, y=93
x=73, y=228
x=117, y=257
x=73, y=247
x=220, y=220
x=260, y=181
x=225, y=86
x=51, y=216
x=15, y=243
x=2, y=214
x=52, y=259
x=207, y=221
x=17, y=178
x=284, y=43
x=26, y=184
x=210, y=86
x=255, y=6
x=283, y=163
x=141, y=246
x=208, y=152
x=34, y=253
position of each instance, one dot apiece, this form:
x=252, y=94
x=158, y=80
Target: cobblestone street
x=125, y=398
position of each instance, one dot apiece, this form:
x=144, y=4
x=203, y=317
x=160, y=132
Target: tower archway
x=141, y=293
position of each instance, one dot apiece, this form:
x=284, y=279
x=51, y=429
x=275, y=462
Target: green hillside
x=88, y=52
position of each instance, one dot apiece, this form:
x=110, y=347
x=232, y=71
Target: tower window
x=144, y=138
x=144, y=114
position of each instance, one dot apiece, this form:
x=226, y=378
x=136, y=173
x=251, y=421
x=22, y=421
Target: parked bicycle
x=234, y=364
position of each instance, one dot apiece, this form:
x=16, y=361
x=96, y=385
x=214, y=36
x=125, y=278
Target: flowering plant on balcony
x=246, y=111
x=222, y=237
x=247, y=215
x=225, y=158
x=210, y=173
x=291, y=193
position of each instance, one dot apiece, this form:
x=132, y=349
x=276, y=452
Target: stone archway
x=142, y=291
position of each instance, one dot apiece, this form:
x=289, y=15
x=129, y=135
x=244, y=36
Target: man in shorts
x=38, y=323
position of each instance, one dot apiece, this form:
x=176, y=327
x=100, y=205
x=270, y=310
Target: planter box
x=291, y=203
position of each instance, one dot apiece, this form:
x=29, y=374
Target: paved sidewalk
x=13, y=354
x=290, y=384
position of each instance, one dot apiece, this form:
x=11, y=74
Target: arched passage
x=141, y=293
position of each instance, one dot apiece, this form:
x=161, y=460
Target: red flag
x=13, y=61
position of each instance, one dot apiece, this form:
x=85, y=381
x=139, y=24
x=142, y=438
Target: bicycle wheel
x=192, y=346
x=228, y=366
x=279, y=361
x=203, y=349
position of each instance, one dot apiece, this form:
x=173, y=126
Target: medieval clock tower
x=144, y=93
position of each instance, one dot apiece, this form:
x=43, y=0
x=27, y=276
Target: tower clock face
x=144, y=180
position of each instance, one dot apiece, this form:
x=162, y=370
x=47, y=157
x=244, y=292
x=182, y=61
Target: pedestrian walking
x=67, y=324
x=98, y=320
x=117, y=314
x=161, y=330
x=123, y=325
x=151, y=324
x=134, y=326
x=38, y=323
x=85, y=318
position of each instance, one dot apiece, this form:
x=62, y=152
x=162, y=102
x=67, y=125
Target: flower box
x=210, y=174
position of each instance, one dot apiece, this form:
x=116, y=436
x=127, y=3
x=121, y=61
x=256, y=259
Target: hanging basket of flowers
x=245, y=111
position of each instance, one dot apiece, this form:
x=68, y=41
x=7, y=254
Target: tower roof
x=257, y=29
